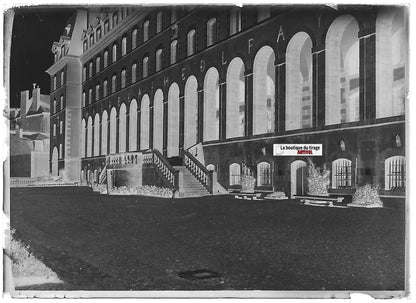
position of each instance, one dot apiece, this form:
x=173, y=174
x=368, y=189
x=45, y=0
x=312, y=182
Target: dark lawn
x=98, y=242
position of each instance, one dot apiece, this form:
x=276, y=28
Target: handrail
x=199, y=171
x=103, y=175
x=155, y=158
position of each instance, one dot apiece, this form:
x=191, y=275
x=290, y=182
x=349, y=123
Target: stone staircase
x=191, y=187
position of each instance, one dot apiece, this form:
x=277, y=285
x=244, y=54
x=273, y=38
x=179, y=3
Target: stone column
x=280, y=105
x=318, y=87
x=367, y=75
x=200, y=110
x=248, y=123
x=223, y=111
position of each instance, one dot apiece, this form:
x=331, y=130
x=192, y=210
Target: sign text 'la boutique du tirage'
x=297, y=149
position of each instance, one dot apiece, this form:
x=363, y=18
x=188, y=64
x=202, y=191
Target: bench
x=319, y=200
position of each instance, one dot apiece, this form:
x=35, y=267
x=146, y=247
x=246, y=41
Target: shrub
x=367, y=196
x=318, y=180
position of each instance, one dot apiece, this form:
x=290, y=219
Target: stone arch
x=89, y=137
x=158, y=120
x=113, y=131
x=82, y=141
x=122, y=128
x=173, y=121
x=235, y=108
x=391, y=62
x=299, y=82
x=191, y=112
x=96, y=135
x=104, y=132
x=211, y=105
x=133, y=125
x=144, y=122
x=342, y=71
x=263, y=91
x=298, y=175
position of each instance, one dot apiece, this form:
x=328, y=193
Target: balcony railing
x=164, y=169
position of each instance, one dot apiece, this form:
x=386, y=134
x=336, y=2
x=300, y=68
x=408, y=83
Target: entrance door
x=298, y=178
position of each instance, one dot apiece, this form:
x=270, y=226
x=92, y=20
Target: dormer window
x=91, y=40
x=63, y=50
x=56, y=56
x=67, y=30
x=159, y=19
x=54, y=82
x=84, y=46
x=146, y=30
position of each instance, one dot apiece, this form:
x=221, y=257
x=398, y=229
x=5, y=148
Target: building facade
x=227, y=83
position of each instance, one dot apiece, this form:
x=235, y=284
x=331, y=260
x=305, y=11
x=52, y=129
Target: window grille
x=235, y=174
x=395, y=168
x=264, y=175
x=342, y=174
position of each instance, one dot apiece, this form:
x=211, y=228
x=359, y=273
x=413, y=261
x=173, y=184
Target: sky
x=34, y=31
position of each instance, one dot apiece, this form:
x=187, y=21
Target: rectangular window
x=159, y=19
x=235, y=20
x=341, y=174
x=211, y=32
x=191, y=42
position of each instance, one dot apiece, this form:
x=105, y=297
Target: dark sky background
x=34, y=31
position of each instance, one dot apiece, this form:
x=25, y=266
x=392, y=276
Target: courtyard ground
x=99, y=242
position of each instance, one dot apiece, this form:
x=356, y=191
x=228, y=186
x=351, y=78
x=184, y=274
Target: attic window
x=67, y=29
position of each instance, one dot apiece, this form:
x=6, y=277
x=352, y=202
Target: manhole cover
x=198, y=274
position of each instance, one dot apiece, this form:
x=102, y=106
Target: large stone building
x=216, y=87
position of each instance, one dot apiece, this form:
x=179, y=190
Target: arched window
x=133, y=72
x=264, y=91
x=299, y=82
x=133, y=125
x=113, y=84
x=191, y=112
x=341, y=173
x=104, y=133
x=98, y=33
x=82, y=141
x=115, y=19
x=211, y=105
x=173, y=51
x=211, y=31
x=54, y=82
x=54, y=130
x=91, y=37
x=106, y=26
x=235, y=174
x=61, y=102
x=105, y=88
x=342, y=71
x=90, y=66
x=62, y=78
x=145, y=67
x=144, y=123
x=97, y=92
x=391, y=62
x=134, y=39
x=89, y=137
x=123, y=78
x=122, y=129
x=191, y=37
x=105, y=58
x=264, y=174
x=54, y=106
x=61, y=127
x=158, y=120
x=146, y=30
x=84, y=73
x=158, y=59
x=235, y=110
x=114, y=53
x=124, y=46
x=97, y=64
x=97, y=135
x=173, y=121
x=395, y=173
x=61, y=151
x=113, y=131
x=159, y=20
x=84, y=46
x=83, y=99
x=235, y=20
x=90, y=96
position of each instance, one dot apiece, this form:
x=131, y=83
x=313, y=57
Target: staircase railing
x=199, y=171
x=103, y=175
x=164, y=169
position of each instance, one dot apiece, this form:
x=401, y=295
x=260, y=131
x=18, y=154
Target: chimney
x=35, y=97
x=24, y=103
